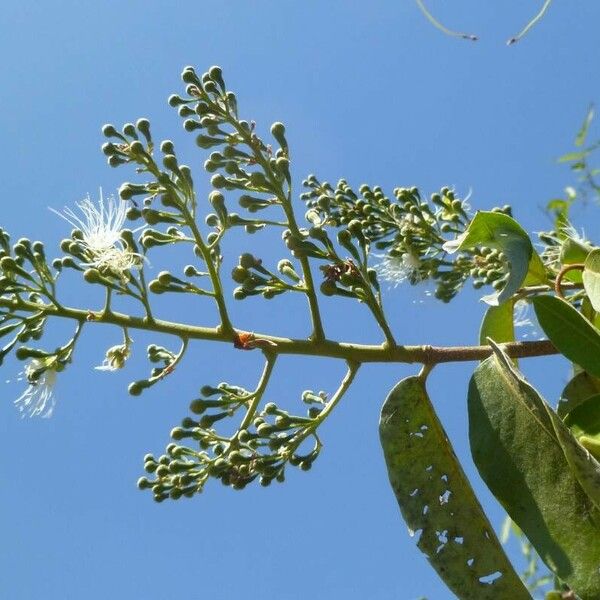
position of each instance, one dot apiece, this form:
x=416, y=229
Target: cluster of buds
x=167, y=282
x=259, y=450
x=255, y=279
x=171, y=183
x=410, y=231
x=23, y=272
x=164, y=359
x=240, y=160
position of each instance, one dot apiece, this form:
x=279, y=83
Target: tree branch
x=359, y=353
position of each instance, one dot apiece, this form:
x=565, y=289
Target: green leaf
x=573, y=252
x=498, y=324
x=578, y=390
x=436, y=500
x=584, y=423
x=591, y=278
x=538, y=472
x=497, y=230
x=572, y=156
x=570, y=332
x=585, y=127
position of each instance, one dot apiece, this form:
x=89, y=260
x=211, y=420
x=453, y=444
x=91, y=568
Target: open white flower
x=397, y=269
x=101, y=225
x=553, y=255
x=38, y=399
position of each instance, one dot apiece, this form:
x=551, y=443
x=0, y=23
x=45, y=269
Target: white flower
x=397, y=269
x=38, y=399
x=553, y=254
x=115, y=358
x=101, y=225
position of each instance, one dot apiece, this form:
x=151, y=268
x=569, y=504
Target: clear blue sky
x=368, y=91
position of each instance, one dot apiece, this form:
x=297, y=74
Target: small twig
x=442, y=28
x=561, y=274
x=538, y=17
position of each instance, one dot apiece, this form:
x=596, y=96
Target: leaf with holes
x=570, y=332
x=537, y=471
x=497, y=230
x=437, y=502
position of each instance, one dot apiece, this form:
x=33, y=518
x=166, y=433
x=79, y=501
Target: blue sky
x=368, y=91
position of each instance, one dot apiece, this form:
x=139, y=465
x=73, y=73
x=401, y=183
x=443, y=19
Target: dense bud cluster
x=259, y=450
x=409, y=230
x=255, y=279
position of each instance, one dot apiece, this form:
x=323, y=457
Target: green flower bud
x=248, y=261
x=137, y=387
x=258, y=180
x=211, y=220
x=264, y=429
x=108, y=149
x=191, y=271
x=170, y=162
x=278, y=132
x=115, y=161
x=218, y=181
x=165, y=278
x=191, y=125
x=143, y=126
x=206, y=142
x=162, y=471
x=177, y=433
x=143, y=483
x=136, y=147
x=130, y=130
x=239, y=294
x=175, y=100
x=156, y=287
x=270, y=408
x=239, y=274
x=198, y=406
x=328, y=288
x=216, y=74
x=110, y=131
x=90, y=275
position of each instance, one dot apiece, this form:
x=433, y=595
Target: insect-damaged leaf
x=545, y=480
x=437, y=502
x=497, y=230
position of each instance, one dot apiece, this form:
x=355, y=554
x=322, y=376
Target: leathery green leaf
x=570, y=332
x=497, y=230
x=537, y=471
x=584, y=423
x=591, y=278
x=498, y=324
x=437, y=502
x=578, y=390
